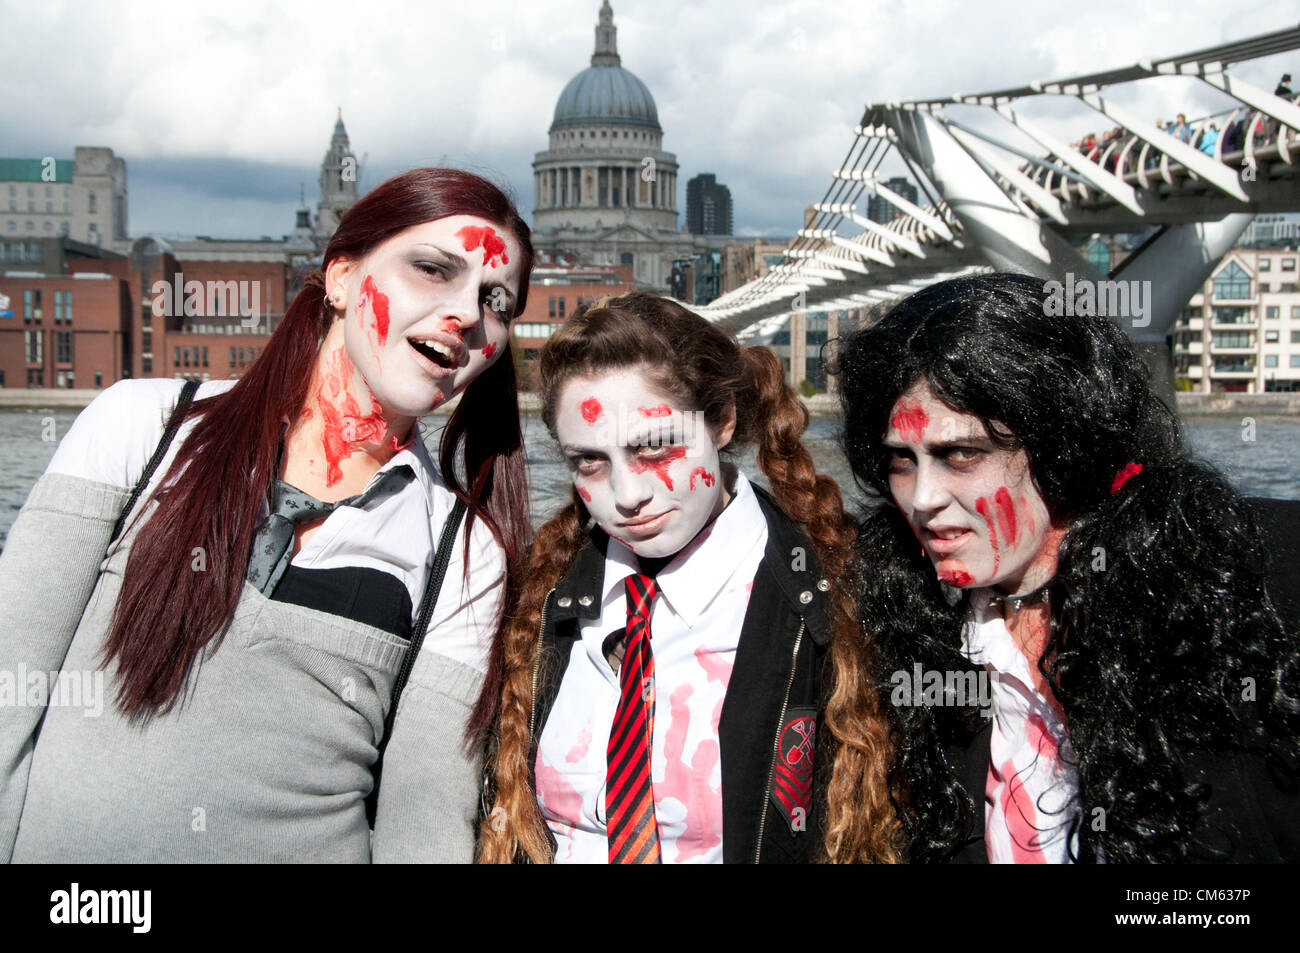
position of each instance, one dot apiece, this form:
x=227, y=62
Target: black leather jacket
x=771, y=811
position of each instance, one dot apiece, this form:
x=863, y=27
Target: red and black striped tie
x=629, y=799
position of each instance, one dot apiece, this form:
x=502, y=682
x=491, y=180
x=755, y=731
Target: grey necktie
x=272, y=547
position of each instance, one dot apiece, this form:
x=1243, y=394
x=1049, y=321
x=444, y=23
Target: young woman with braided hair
x=681, y=633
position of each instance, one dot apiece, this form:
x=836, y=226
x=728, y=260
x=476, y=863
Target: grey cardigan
x=267, y=757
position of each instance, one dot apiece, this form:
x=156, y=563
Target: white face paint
x=973, y=505
x=428, y=310
x=647, y=470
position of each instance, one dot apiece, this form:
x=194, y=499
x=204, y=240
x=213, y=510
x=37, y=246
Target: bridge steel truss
x=994, y=203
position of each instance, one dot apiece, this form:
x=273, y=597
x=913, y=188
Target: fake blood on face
x=582, y=492
x=910, y=421
x=704, y=475
x=343, y=426
x=590, y=409
x=494, y=247
x=982, y=507
x=1006, y=515
x=661, y=465
x=378, y=307
x=955, y=577
x=489, y=350
x=663, y=410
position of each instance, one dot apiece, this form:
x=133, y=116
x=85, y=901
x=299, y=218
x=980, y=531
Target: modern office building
x=1242, y=331
x=708, y=206
x=881, y=210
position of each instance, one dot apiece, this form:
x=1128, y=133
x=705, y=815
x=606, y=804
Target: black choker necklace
x=1029, y=598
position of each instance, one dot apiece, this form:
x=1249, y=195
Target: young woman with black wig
x=1082, y=655
x=250, y=607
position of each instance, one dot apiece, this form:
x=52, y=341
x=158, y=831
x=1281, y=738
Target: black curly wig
x=1149, y=653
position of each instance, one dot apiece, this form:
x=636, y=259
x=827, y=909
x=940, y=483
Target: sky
x=222, y=110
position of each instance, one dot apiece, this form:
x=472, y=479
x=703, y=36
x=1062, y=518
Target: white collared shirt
x=112, y=440
x=695, y=624
x=1031, y=784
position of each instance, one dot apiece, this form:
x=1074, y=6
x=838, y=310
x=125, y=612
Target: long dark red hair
x=167, y=613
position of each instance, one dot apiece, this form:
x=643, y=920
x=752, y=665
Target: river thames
x=1265, y=462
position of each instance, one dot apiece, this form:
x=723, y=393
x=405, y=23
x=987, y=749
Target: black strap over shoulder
x=173, y=424
x=436, y=574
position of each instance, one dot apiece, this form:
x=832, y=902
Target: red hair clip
x=1130, y=470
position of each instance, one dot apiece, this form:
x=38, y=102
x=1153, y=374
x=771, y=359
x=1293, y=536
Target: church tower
x=338, y=182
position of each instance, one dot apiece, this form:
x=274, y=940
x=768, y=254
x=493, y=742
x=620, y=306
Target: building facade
x=83, y=198
x=708, y=206
x=554, y=294
x=1241, y=332
x=605, y=189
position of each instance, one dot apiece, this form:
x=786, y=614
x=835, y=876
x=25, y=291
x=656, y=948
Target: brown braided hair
x=703, y=367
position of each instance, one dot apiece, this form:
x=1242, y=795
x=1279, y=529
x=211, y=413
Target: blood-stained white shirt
x=1031, y=784
x=695, y=624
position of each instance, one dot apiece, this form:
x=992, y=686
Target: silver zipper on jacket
x=537, y=664
x=776, y=744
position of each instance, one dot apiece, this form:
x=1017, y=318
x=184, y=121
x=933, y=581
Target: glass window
x=176, y=356
x=1270, y=360
x=1288, y=264
x=1226, y=339
x=99, y=379
x=1270, y=337
x=1295, y=337
x=1271, y=311
x=1265, y=264
x=1295, y=360
x=562, y=301
x=63, y=347
x=1099, y=256
x=1265, y=287
x=1232, y=283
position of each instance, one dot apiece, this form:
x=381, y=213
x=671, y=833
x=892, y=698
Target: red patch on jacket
x=793, y=779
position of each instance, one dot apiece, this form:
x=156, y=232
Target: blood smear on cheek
x=704, y=474
x=663, y=410
x=590, y=409
x=1006, y=515
x=982, y=507
x=910, y=421
x=582, y=492
x=489, y=350
x=379, y=306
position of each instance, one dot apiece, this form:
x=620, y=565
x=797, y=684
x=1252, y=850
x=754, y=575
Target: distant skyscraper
x=708, y=206
x=881, y=211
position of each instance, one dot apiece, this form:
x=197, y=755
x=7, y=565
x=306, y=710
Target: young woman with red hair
x=251, y=606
